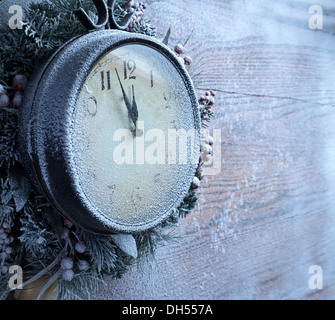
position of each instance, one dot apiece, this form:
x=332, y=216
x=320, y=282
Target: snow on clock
x=110, y=131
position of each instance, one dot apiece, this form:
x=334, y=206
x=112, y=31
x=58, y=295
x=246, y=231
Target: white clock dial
x=133, y=177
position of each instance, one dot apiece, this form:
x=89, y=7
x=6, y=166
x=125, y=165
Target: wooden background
x=268, y=215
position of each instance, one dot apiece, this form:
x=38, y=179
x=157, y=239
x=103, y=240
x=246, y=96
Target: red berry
x=80, y=247
x=2, y=90
x=20, y=82
x=206, y=149
x=207, y=157
x=195, y=183
x=67, y=263
x=67, y=223
x=68, y=275
x=83, y=265
x=207, y=93
x=4, y=270
x=179, y=48
x=4, y=101
x=202, y=99
x=188, y=60
x=17, y=99
x=212, y=93
x=65, y=233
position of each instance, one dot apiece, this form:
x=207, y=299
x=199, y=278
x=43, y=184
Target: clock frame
x=44, y=121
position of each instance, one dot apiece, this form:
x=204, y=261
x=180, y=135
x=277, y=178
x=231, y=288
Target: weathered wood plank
x=269, y=214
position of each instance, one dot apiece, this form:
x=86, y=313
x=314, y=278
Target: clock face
x=133, y=137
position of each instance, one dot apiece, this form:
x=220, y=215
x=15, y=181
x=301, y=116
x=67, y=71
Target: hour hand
x=134, y=113
x=132, y=108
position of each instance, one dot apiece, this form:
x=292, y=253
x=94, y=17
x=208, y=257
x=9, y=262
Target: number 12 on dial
x=128, y=69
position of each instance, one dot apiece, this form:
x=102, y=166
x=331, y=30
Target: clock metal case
x=46, y=118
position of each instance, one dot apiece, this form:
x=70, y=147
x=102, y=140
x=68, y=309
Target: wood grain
x=269, y=214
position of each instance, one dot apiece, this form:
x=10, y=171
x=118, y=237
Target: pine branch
x=8, y=133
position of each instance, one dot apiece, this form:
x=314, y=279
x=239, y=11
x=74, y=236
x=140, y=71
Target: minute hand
x=125, y=97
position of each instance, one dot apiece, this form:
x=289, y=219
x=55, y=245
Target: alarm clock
x=110, y=131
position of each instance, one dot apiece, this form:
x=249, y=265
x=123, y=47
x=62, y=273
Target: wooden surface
x=268, y=215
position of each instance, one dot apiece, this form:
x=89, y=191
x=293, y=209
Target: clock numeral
x=103, y=87
x=170, y=99
x=111, y=189
x=151, y=78
x=91, y=106
x=102, y=80
x=91, y=174
x=169, y=96
x=136, y=197
x=157, y=178
x=173, y=124
x=129, y=65
x=125, y=69
x=108, y=80
x=90, y=103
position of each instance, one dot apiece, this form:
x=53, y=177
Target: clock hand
x=134, y=108
x=137, y=132
x=125, y=97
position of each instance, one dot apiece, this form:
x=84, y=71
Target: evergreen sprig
x=8, y=132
